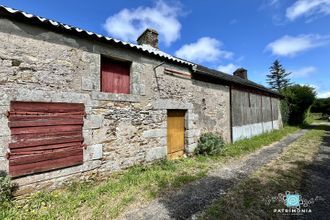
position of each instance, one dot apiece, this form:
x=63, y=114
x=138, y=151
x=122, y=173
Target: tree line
x=297, y=99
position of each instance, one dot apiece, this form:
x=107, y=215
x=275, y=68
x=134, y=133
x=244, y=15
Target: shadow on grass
x=317, y=183
x=198, y=196
x=246, y=200
x=323, y=127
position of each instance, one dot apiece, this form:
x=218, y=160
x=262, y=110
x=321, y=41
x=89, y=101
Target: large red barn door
x=45, y=136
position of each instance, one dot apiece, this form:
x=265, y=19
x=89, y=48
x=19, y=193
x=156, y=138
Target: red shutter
x=45, y=136
x=115, y=76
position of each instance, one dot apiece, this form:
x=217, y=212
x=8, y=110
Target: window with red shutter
x=115, y=76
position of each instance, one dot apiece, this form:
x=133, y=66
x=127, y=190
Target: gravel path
x=317, y=183
x=194, y=197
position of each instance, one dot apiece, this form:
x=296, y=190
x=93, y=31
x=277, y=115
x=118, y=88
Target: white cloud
x=205, y=49
x=323, y=95
x=303, y=72
x=308, y=8
x=229, y=68
x=128, y=24
x=290, y=46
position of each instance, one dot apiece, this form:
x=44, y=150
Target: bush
x=6, y=187
x=300, y=99
x=322, y=106
x=285, y=111
x=209, y=144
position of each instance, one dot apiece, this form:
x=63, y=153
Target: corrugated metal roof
x=7, y=11
x=17, y=14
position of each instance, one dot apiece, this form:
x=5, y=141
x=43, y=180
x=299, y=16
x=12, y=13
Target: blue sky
x=223, y=35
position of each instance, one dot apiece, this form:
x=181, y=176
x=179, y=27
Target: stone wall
x=120, y=130
x=209, y=103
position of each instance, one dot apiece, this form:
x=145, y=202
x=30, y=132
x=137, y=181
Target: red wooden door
x=115, y=77
x=45, y=136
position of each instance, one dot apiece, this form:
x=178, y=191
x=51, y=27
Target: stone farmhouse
x=73, y=102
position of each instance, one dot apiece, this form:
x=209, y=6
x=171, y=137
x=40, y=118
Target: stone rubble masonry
x=3, y=163
x=120, y=130
x=154, y=133
x=94, y=121
x=155, y=154
x=148, y=37
x=93, y=152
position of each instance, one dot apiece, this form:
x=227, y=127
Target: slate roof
x=57, y=26
x=231, y=79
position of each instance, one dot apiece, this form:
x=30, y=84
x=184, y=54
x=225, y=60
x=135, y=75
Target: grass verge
x=248, y=199
x=317, y=118
x=108, y=198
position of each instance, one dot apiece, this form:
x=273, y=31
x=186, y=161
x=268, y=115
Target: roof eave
x=64, y=28
x=224, y=77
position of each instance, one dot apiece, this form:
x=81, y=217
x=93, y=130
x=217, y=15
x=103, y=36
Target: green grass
x=248, y=199
x=316, y=118
x=106, y=199
x=254, y=143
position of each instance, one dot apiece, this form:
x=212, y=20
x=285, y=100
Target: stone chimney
x=149, y=37
x=241, y=73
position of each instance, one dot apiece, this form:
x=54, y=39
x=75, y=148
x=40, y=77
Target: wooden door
x=175, y=133
x=45, y=136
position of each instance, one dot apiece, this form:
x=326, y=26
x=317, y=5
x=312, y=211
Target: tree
x=322, y=106
x=278, y=77
x=300, y=99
